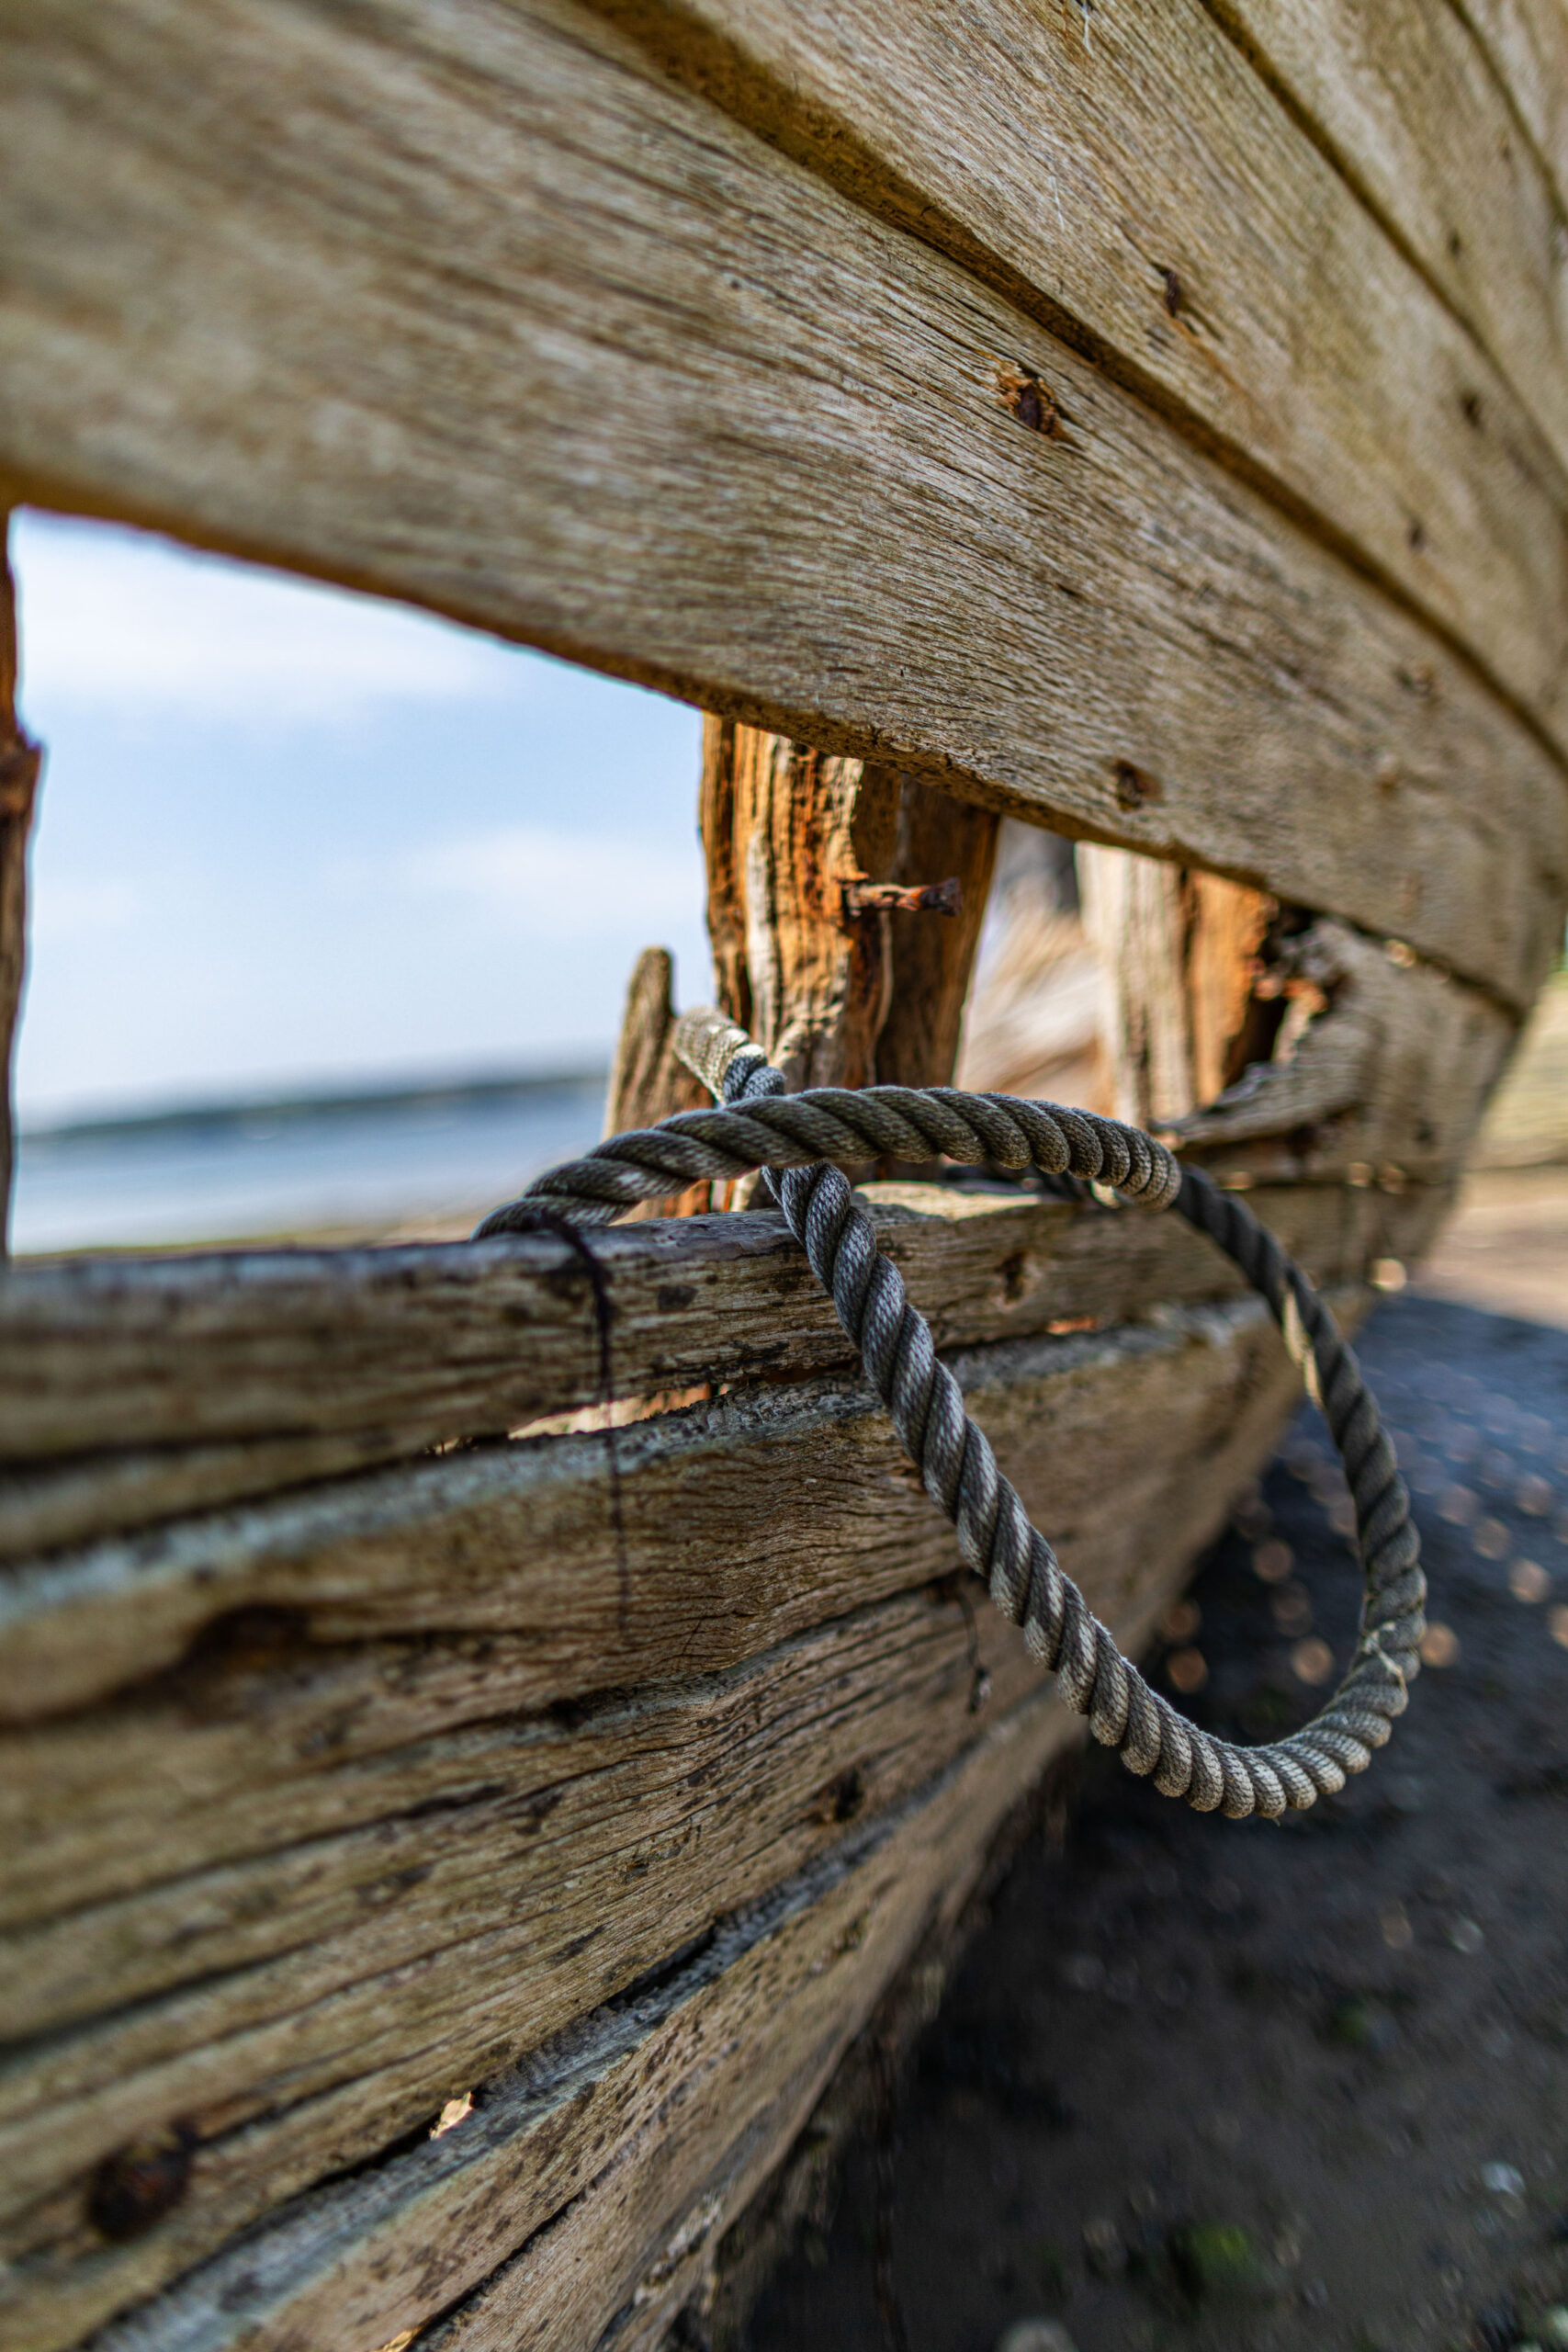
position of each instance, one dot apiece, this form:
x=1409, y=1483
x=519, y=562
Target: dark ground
x=1223, y=2087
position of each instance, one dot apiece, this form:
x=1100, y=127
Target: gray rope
x=800, y=1135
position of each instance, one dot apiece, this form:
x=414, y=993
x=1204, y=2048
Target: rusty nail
x=137, y=2185
x=918, y=898
x=1032, y=402
x=1134, y=785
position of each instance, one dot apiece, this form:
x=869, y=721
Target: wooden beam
x=840, y=990
x=21, y=761
x=931, y=956
x=648, y=1082
x=104, y=1360
x=460, y=1546
x=1167, y=216
x=255, y=298
x=1178, y=952
x=363, y=2260
x=787, y=831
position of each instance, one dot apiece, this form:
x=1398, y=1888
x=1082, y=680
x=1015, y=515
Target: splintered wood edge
x=82, y=1622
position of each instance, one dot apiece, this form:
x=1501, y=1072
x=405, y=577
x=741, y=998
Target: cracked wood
x=343, y=1883
x=450, y=321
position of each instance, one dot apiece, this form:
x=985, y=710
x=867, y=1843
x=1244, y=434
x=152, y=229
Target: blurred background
x=333, y=904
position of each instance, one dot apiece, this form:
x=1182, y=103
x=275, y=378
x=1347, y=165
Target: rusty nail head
x=137, y=2185
x=1134, y=785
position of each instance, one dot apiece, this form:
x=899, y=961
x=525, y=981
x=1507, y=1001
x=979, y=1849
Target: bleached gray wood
x=1138, y=186
x=413, y=1345
x=296, y=1897
x=1402, y=99
x=362, y=2261
x=169, y=1384
x=478, y=310
x=434, y=1547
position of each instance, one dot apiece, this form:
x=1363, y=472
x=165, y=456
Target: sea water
x=265, y=1171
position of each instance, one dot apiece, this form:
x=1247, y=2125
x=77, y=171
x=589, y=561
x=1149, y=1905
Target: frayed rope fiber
x=800, y=1137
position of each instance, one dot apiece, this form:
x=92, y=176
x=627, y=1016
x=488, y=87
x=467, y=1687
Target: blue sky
x=289, y=836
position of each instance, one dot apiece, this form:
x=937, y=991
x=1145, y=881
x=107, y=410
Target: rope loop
x=798, y=1138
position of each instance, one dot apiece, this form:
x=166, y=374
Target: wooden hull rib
x=1155, y=434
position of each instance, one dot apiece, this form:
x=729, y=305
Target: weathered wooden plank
x=47, y=1505
x=1178, y=961
x=932, y=957
x=743, y=1527
x=1525, y=43
x=835, y=992
x=478, y=310
x=636, y=2223
x=529, y=1828
x=1140, y=180
x=647, y=1081
x=467, y=1340
x=454, y=1546
x=984, y=1266
x=397, y=1916
x=292, y=2065
x=360, y=2262
x=1402, y=98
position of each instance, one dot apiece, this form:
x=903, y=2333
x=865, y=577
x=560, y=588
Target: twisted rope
x=799, y=1136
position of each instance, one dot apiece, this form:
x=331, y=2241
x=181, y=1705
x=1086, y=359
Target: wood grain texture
x=478, y=310
x=835, y=994
x=360, y=2262
x=1141, y=190
x=1402, y=98
x=786, y=830
x=1389, y=1080
x=324, y=1904
x=933, y=956
x=919, y=1887
x=137, y=1390
x=1178, y=955
x=1525, y=43
x=451, y=1551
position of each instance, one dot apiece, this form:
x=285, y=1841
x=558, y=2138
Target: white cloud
x=560, y=885
x=112, y=617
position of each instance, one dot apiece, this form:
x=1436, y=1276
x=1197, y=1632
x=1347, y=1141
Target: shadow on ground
x=1206, y=2084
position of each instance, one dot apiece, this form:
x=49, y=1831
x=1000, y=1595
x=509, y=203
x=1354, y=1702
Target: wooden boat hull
x=448, y=1849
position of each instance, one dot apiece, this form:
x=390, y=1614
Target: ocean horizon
x=269, y=1166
